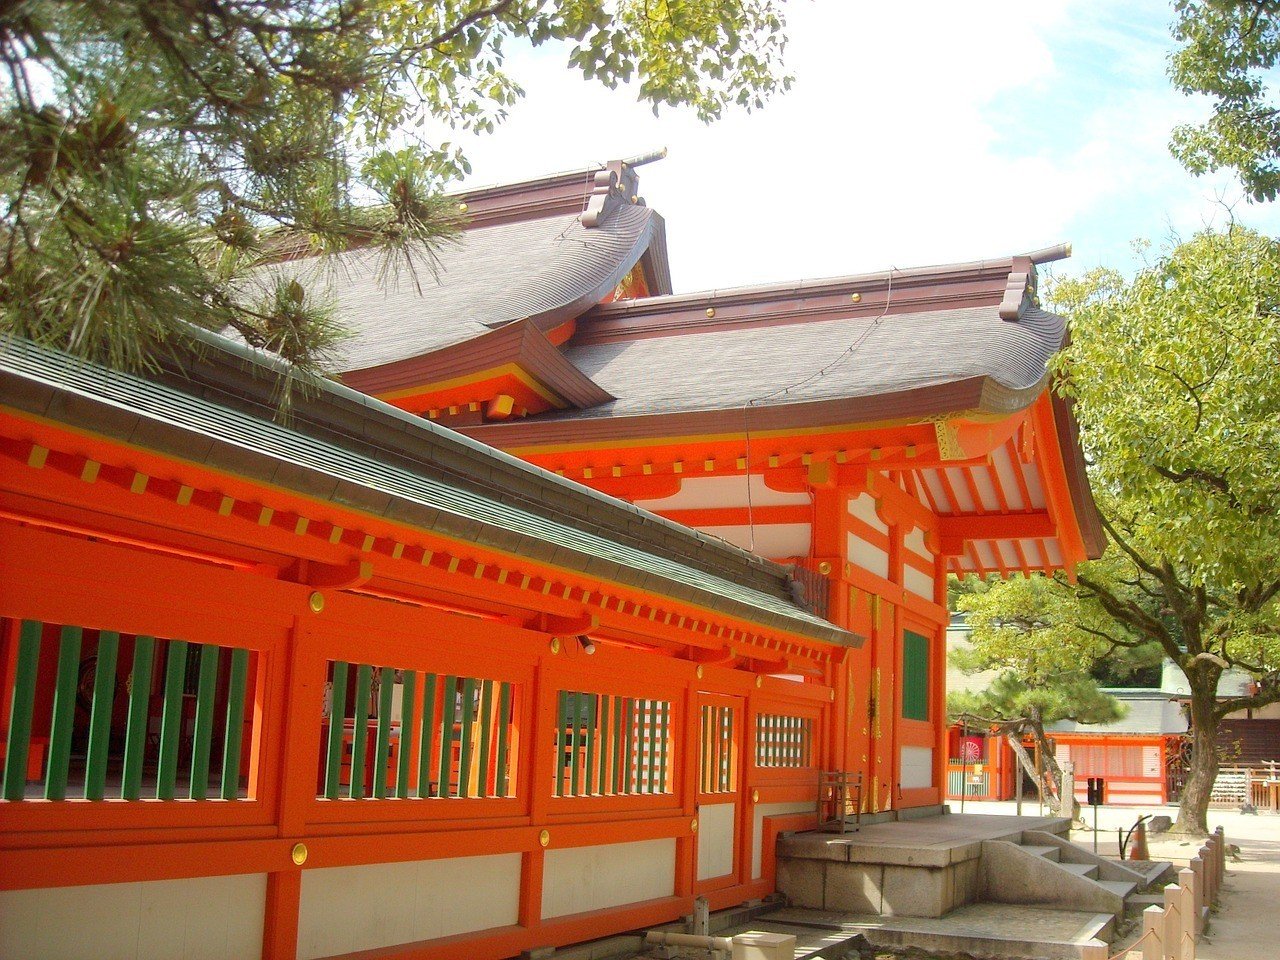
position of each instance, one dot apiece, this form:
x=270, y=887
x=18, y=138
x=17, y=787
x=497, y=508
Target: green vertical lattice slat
x=915, y=676
x=171, y=719
x=135, y=737
x=104, y=695
x=619, y=738
x=205, y=691
x=382, y=746
x=467, y=731
x=589, y=724
x=406, y=725
x=360, y=730
x=426, y=734
x=562, y=711
x=449, y=705
x=575, y=746
x=504, y=713
x=237, y=680
x=64, y=714
x=486, y=736
x=602, y=735
x=630, y=746
x=17, y=747
x=337, y=725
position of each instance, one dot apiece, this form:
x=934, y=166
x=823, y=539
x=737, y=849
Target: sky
x=915, y=134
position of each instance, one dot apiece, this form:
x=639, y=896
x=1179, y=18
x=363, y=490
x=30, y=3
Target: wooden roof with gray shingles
x=551, y=268
x=214, y=407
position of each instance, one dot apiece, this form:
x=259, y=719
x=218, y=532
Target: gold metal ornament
x=711, y=312
x=544, y=838
x=299, y=853
x=693, y=825
x=855, y=297
x=555, y=644
x=462, y=208
x=759, y=681
x=755, y=796
x=699, y=671
x=824, y=567
x=316, y=601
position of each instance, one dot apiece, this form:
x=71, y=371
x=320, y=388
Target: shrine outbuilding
x=538, y=622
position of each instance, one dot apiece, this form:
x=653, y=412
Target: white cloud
x=914, y=134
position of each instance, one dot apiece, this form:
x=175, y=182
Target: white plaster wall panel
x=986, y=555
x=915, y=767
x=986, y=488
x=1031, y=549
x=578, y=879
x=1035, y=490
x=1005, y=471
x=867, y=556
x=964, y=500
x=1055, y=552
x=863, y=506
x=761, y=811
x=716, y=836
x=914, y=541
x=1008, y=554
x=699, y=492
x=204, y=918
x=917, y=582
x=938, y=492
x=771, y=540
x=344, y=909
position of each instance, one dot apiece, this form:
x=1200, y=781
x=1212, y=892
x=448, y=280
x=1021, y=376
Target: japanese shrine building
x=590, y=645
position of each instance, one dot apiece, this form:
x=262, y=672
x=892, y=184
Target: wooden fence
x=1171, y=931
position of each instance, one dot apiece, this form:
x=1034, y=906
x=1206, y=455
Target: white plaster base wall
x=763, y=810
x=344, y=909
x=578, y=879
x=205, y=918
x=916, y=768
x=716, y=837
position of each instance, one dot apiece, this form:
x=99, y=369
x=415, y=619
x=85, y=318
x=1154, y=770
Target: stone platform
x=921, y=868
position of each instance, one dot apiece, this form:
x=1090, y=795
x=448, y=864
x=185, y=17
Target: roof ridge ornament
x=1020, y=291
x=613, y=186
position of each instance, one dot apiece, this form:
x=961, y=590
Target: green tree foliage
x=1228, y=49
x=1175, y=384
x=153, y=153
x=1044, y=645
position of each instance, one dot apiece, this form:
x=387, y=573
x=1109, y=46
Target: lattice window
x=165, y=717
x=384, y=740
x=718, y=764
x=783, y=740
x=612, y=746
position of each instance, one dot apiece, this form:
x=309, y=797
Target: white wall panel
x=344, y=909
x=863, y=507
x=578, y=879
x=699, y=492
x=867, y=556
x=916, y=767
x=203, y=918
x=762, y=810
x=772, y=540
x=716, y=836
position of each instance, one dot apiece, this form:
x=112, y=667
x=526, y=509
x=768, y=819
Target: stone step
x=1135, y=904
x=1086, y=870
x=1049, y=853
x=1122, y=887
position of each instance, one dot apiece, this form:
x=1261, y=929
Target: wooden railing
x=1171, y=931
x=1258, y=785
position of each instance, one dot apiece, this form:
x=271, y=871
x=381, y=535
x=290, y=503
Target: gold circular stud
x=699, y=671
x=693, y=825
x=833, y=695
x=544, y=838
x=711, y=312
x=824, y=567
x=555, y=644
x=462, y=208
x=755, y=796
x=299, y=853
x=855, y=297
x=316, y=601
x=759, y=681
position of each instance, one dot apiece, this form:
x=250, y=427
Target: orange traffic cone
x=1139, y=849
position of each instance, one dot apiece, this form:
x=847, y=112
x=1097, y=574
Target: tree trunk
x=1193, y=809
x=1062, y=806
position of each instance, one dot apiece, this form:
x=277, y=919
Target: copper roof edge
x=996, y=267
